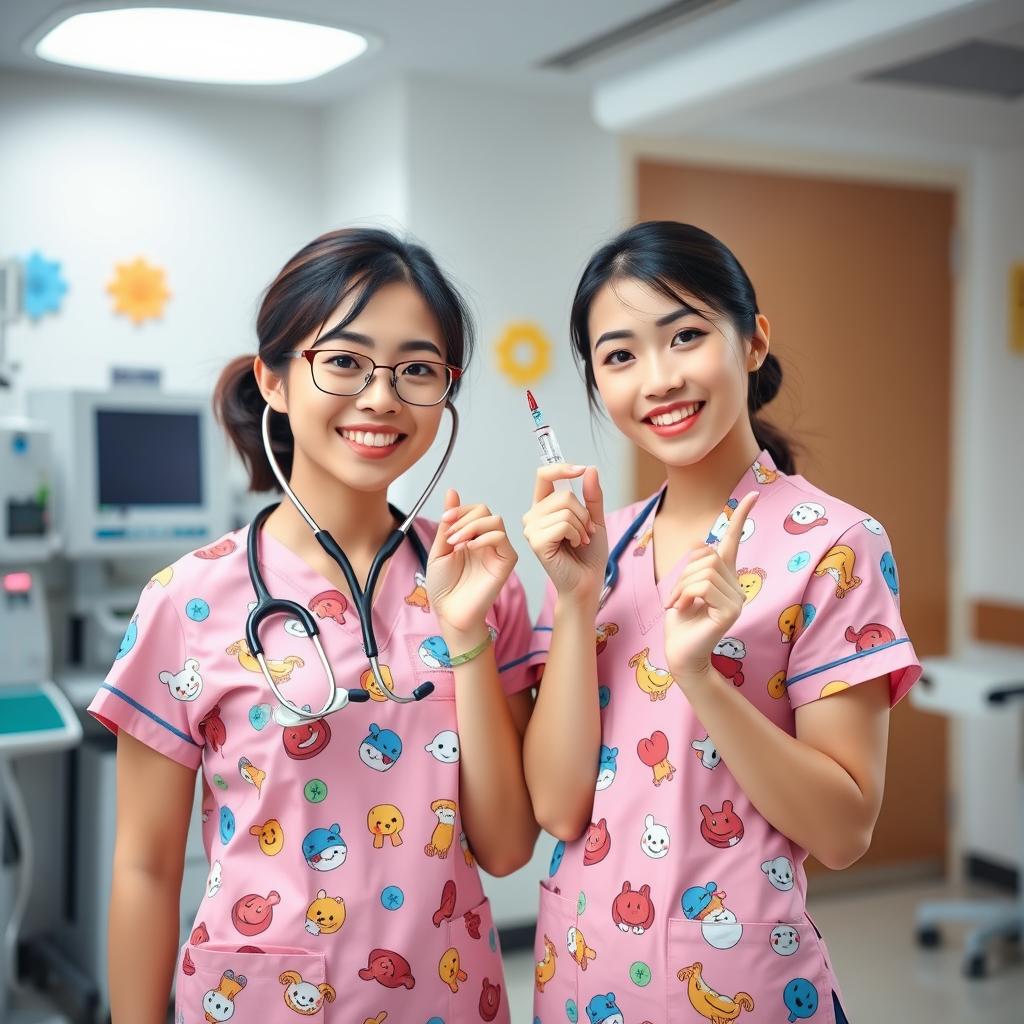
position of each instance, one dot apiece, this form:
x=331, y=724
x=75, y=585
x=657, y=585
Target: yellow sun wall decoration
x=139, y=291
x=524, y=353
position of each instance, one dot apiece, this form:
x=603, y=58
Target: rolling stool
x=985, y=679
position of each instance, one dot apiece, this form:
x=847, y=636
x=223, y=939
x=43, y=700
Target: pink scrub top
x=341, y=884
x=681, y=904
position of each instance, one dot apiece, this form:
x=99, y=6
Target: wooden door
x=856, y=276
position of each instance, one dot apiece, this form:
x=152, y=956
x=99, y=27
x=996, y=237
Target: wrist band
x=461, y=659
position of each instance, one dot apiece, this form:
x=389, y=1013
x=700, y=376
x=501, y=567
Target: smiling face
x=363, y=441
x=671, y=373
x=306, y=739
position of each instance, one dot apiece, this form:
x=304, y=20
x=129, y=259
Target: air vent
x=668, y=16
x=993, y=69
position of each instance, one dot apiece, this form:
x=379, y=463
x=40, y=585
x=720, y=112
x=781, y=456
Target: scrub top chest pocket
x=431, y=660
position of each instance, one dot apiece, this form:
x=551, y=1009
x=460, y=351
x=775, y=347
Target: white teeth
x=371, y=440
x=675, y=416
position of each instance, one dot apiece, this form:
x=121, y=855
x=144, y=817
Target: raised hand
x=469, y=562
x=706, y=601
x=568, y=536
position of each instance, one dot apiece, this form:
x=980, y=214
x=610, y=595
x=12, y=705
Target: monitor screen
x=148, y=458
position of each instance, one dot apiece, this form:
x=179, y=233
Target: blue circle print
x=556, y=857
x=801, y=999
x=798, y=561
x=227, y=825
x=391, y=897
x=197, y=609
x=604, y=696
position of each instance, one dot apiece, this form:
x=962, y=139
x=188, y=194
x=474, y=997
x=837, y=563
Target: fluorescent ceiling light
x=199, y=46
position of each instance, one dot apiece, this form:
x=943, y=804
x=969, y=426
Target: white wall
x=216, y=191
x=513, y=193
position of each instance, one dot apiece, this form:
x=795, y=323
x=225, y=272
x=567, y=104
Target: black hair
x=298, y=302
x=673, y=258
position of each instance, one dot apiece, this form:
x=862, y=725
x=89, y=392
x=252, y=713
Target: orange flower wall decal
x=139, y=290
x=523, y=353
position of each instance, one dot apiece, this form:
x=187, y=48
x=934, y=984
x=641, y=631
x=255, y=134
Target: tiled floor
x=885, y=977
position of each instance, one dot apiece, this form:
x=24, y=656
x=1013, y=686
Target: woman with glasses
x=343, y=848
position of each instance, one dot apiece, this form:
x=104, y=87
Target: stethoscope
x=266, y=605
x=611, y=569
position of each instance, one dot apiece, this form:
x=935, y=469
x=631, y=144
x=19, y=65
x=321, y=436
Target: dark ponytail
x=238, y=406
x=673, y=257
x=763, y=385
x=310, y=286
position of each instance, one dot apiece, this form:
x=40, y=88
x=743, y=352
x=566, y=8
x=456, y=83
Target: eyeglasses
x=416, y=381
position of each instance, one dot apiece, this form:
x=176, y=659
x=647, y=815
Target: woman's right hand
x=568, y=536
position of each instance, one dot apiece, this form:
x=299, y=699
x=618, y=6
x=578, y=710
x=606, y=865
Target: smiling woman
x=408, y=782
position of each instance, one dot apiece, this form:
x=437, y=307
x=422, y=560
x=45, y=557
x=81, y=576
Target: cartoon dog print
x=449, y=969
x=444, y=831
x=546, y=966
x=578, y=948
x=326, y=914
x=839, y=563
x=304, y=997
x=385, y=821
x=219, y=1002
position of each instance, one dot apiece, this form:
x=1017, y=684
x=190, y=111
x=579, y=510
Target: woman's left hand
x=469, y=562
x=706, y=601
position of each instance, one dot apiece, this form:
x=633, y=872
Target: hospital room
x=363, y=363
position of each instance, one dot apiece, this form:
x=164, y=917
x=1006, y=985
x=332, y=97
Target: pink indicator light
x=17, y=583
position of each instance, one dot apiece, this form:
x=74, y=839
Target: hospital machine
x=139, y=480
x=35, y=716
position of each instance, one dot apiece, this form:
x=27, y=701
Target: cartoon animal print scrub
x=334, y=841
x=680, y=904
